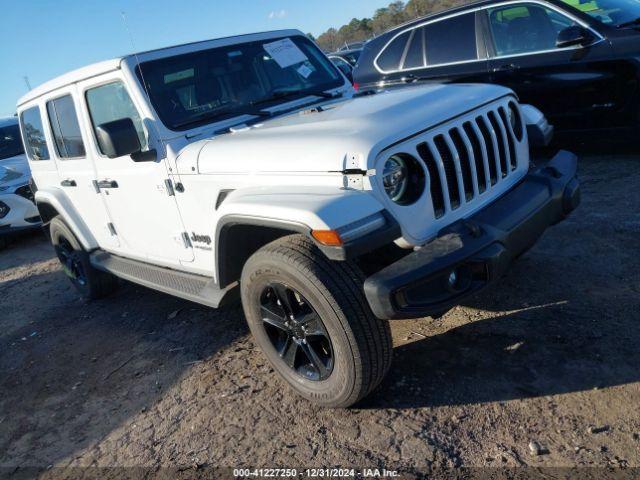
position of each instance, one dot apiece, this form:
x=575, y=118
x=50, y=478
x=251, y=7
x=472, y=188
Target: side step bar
x=189, y=286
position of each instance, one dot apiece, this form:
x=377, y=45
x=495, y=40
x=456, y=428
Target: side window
x=65, y=128
x=451, y=40
x=414, y=54
x=525, y=28
x=33, y=134
x=112, y=102
x=389, y=59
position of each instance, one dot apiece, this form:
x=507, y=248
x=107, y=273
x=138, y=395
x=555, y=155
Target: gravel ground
x=547, y=359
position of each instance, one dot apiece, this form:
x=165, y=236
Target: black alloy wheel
x=71, y=263
x=296, y=332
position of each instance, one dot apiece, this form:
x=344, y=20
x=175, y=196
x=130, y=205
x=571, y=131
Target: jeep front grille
x=469, y=162
x=458, y=159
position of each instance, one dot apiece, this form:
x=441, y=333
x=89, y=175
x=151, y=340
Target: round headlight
x=395, y=178
x=515, y=120
x=403, y=179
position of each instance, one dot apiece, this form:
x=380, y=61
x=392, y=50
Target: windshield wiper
x=631, y=23
x=231, y=112
x=297, y=93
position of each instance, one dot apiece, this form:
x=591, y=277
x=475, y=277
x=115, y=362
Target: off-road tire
x=96, y=284
x=4, y=242
x=362, y=344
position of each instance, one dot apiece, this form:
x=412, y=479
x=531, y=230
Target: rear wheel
x=90, y=282
x=310, y=318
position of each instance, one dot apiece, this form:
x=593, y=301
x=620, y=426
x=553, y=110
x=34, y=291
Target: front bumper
x=471, y=253
x=20, y=214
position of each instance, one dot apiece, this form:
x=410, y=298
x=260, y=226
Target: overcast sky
x=41, y=39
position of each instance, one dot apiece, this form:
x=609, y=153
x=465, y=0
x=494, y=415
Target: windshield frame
x=263, y=107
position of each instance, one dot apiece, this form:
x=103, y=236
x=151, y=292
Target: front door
x=142, y=206
x=575, y=87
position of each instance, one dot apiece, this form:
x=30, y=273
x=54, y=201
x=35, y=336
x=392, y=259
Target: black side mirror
x=574, y=35
x=347, y=70
x=118, y=138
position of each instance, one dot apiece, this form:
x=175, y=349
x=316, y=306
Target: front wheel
x=90, y=282
x=310, y=318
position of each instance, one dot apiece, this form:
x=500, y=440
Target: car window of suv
x=65, y=127
x=432, y=45
x=451, y=40
x=111, y=102
x=33, y=134
x=525, y=28
x=10, y=142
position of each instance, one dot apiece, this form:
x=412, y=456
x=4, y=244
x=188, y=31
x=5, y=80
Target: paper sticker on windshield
x=285, y=52
x=304, y=70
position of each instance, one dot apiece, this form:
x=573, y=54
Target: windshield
x=10, y=142
x=610, y=12
x=201, y=87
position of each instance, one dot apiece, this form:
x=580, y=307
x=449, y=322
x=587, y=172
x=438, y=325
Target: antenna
x=26, y=81
x=135, y=54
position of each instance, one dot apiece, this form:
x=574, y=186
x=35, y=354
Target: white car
x=248, y=165
x=18, y=211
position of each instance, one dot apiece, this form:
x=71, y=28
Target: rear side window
x=414, y=53
x=444, y=41
x=65, y=127
x=451, y=40
x=112, y=102
x=33, y=134
x=389, y=59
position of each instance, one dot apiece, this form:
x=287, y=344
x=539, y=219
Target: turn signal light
x=330, y=238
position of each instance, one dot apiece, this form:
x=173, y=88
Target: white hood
x=19, y=163
x=12, y=177
x=310, y=141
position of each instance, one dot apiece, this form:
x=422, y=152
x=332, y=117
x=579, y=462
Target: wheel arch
x=52, y=203
x=240, y=236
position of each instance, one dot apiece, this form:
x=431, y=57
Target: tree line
x=382, y=20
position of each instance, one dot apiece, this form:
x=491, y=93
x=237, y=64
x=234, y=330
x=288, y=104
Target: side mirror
x=118, y=138
x=574, y=35
x=346, y=69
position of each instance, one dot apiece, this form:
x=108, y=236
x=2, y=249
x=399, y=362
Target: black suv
x=578, y=61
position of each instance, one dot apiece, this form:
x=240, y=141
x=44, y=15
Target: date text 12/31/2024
x=314, y=473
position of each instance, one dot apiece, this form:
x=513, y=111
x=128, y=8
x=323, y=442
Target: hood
x=320, y=141
x=19, y=163
x=11, y=178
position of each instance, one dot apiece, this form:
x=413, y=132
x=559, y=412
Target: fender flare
x=62, y=205
x=278, y=211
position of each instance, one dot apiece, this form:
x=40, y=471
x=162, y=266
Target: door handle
x=68, y=183
x=107, y=184
x=506, y=68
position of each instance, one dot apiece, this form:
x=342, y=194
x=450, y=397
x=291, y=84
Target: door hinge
x=169, y=186
x=96, y=187
x=186, y=240
x=112, y=229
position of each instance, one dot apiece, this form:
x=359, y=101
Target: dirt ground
x=550, y=354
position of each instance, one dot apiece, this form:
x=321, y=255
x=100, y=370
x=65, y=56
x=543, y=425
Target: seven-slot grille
x=469, y=159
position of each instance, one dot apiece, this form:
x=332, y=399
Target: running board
x=189, y=286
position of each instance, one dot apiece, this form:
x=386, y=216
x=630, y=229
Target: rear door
x=138, y=196
x=576, y=87
x=442, y=50
x=76, y=174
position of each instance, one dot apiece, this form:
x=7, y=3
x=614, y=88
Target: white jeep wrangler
x=249, y=165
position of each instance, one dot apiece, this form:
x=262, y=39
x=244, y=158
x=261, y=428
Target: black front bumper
x=471, y=253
